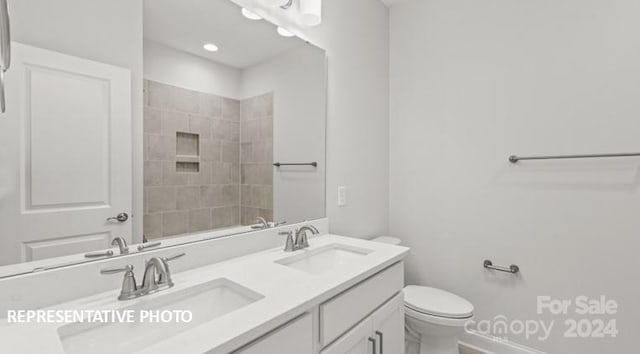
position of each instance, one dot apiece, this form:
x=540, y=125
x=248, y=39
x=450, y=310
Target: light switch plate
x=342, y=196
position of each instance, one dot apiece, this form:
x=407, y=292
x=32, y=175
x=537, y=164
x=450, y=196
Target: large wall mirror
x=228, y=110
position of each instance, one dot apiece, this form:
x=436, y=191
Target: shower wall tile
x=211, y=150
x=175, y=223
x=210, y=105
x=159, y=199
x=231, y=195
x=157, y=95
x=202, y=177
x=225, y=216
x=256, y=158
x=211, y=196
x=179, y=201
x=170, y=177
x=173, y=122
x=152, y=225
x=153, y=173
x=200, y=220
x=152, y=120
x=231, y=109
x=230, y=152
x=184, y=100
x=189, y=197
x=159, y=148
x=201, y=126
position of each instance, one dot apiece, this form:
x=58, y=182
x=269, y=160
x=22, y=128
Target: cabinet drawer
x=347, y=309
x=295, y=337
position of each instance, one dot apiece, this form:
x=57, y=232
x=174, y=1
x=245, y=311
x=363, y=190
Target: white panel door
x=65, y=147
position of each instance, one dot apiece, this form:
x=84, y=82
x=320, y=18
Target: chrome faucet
x=157, y=276
x=301, y=240
x=301, y=236
x=262, y=224
x=122, y=244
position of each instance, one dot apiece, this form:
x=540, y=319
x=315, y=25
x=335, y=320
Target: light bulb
x=311, y=12
x=250, y=15
x=275, y=2
x=285, y=32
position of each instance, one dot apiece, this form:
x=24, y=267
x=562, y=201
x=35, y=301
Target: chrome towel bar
x=515, y=159
x=314, y=164
x=513, y=269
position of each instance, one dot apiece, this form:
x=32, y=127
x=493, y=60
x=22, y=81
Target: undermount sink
x=325, y=258
x=205, y=301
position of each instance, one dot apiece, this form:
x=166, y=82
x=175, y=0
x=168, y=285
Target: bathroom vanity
x=340, y=295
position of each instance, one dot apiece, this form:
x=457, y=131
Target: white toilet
x=434, y=318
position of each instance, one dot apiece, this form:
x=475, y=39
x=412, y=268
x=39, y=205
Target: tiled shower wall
x=206, y=194
x=256, y=158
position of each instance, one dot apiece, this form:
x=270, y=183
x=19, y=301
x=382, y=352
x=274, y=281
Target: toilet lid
x=436, y=302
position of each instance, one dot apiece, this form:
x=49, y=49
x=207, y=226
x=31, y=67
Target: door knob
x=122, y=217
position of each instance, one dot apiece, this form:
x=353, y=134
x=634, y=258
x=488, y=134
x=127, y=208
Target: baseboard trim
x=486, y=344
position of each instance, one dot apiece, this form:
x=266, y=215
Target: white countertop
x=287, y=293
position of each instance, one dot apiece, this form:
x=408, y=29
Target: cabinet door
x=388, y=326
x=356, y=341
x=296, y=337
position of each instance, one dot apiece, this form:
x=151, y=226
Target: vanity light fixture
x=276, y=2
x=210, y=47
x=285, y=32
x=250, y=15
x=310, y=12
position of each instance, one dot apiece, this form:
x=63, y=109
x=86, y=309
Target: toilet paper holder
x=513, y=269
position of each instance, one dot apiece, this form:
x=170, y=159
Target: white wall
x=104, y=31
x=299, y=85
x=355, y=34
x=476, y=81
x=175, y=67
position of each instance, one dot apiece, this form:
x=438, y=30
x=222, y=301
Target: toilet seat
x=437, y=320
x=435, y=305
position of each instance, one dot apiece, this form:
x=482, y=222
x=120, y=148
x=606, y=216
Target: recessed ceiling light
x=285, y=32
x=250, y=15
x=210, y=47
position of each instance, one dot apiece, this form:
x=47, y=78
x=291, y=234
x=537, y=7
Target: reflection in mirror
x=222, y=98
x=225, y=98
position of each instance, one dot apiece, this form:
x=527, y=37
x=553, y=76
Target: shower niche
x=187, y=152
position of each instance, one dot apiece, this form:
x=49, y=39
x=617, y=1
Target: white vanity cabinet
x=295, y=337
x=367, y=318
x=382, y=332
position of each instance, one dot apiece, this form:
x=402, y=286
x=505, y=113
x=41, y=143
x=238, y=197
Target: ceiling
x=188, y=24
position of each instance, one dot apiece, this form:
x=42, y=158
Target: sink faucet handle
x=289, y=246
x=165, y=277
x=129, y=286
x=115, y=270
x=174, y=257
